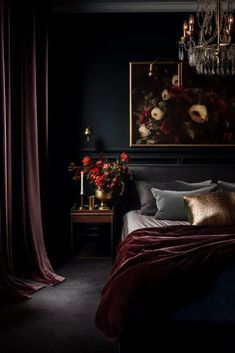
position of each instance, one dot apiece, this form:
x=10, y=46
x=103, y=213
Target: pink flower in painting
x=144, y=132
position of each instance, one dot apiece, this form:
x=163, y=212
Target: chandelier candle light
x=209, y=48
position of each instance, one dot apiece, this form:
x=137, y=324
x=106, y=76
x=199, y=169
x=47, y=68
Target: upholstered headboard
x=187, y=172
x=169, y=172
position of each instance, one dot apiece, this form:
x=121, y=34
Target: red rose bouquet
x=106, y=176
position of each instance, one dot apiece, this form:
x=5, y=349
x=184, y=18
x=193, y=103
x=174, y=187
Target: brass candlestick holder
x=91, y=203
x=81, y=202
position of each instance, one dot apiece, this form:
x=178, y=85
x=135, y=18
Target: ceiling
x=87, y=6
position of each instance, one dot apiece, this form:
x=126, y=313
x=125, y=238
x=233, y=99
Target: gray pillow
x=184, y=186
x=226, y=186
x=171, y=205
x=147, y=201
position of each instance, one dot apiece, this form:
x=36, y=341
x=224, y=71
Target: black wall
x=89, y=57
x=89, y=81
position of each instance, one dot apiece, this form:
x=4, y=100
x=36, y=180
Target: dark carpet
x=59, y=319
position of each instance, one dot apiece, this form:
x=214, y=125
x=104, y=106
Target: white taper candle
x=82, y=191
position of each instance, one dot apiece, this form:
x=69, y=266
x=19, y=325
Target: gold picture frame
x=165, y=111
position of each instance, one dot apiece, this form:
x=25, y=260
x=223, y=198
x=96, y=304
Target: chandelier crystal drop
x=209, y=42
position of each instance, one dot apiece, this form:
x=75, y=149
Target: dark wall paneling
x=89, y=68
x=170, y=155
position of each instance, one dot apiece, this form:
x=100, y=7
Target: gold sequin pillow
x=211, y=208
x=231, y=201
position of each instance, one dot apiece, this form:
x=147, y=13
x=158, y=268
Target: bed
x=172, y=285
x=133, y=220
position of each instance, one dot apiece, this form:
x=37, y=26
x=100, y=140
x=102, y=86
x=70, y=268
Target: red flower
x=166, y=128
x=94, y=170
x=221, y=105
x=142, y=118
x=100, y=180
x=106, y=165
x=177, y=140
x=177, y=89
x=99, y=163
x=124, y=157
x=86, y=161
x=107, y=176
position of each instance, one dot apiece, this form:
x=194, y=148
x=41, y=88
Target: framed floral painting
x=170, y=107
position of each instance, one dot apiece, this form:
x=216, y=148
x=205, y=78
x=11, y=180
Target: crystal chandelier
x=208, y=44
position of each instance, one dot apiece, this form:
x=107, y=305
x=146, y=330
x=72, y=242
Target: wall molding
x=126, y=7
x=195, y=155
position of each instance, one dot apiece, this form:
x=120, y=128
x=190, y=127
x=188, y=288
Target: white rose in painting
x=165, y=95
x=157, y=113
x=144, y=132
x=198, y=113
x=175, y=80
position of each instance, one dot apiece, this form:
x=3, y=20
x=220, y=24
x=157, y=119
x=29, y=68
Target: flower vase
x=103, y=196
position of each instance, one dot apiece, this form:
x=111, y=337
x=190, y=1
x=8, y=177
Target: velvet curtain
x=24, y=265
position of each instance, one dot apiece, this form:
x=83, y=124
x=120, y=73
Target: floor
x=59, y=319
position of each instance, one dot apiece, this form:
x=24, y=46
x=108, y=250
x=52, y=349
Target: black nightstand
x=78, y=216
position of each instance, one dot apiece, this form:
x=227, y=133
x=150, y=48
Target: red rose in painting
x=166, y=128
x=176, y=138
x=142, y=118
x=221, y=105
x=228, y=136
x=86, y=161
x=177, y=89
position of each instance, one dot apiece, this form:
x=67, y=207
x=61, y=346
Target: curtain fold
x=24, y=147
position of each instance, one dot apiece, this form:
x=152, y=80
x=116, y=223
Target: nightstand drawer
x=94, y=216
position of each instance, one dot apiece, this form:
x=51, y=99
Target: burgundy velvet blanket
x=156, y=265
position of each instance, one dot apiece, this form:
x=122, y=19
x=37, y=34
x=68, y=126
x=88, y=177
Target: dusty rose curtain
x=23, y=148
